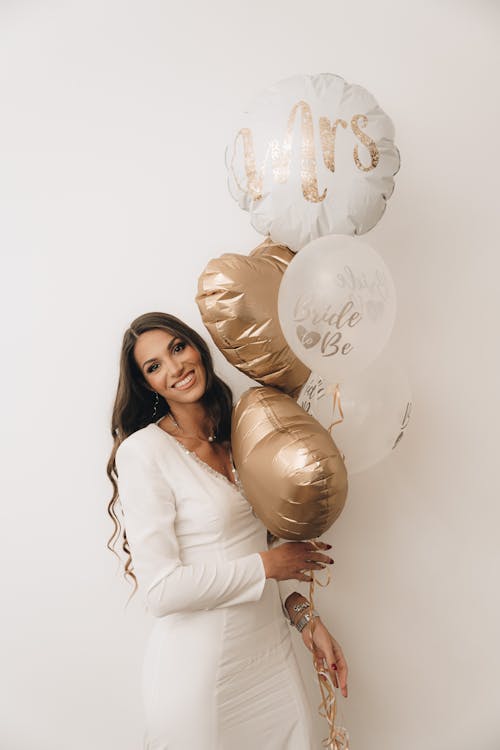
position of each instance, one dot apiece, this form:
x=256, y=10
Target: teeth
x=186, y=380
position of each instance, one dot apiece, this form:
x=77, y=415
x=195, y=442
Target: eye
x=150, y=368
x=181, y=344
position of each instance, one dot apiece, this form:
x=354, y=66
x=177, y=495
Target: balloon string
x=338, y=737
x=336, y=402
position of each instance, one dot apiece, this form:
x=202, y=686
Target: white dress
x=219, y=671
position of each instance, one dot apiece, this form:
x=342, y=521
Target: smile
x=185, y=383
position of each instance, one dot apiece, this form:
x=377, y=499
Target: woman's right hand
x=289, y=559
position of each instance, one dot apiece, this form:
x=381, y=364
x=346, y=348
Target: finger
x=341, y=662
x=342, y=675
x=303, y=577
x=308, y=546
x=332, y=672
x=319, y=544
x=309, y=565
x=332, y=665
x=319, y=557
x=338, y=653
x=342, y=672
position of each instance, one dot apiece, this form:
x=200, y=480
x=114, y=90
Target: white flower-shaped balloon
x=313, y=156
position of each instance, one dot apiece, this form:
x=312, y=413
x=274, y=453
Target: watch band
x=306, y=617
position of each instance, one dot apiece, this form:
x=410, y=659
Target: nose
x=174, y=371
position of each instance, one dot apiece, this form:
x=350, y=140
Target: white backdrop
x=114, y=118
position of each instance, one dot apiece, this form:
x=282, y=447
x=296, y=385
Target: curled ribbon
x=336, y=402
x=338, y=737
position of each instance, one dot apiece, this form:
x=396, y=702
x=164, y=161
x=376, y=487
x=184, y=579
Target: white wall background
x=113, y=122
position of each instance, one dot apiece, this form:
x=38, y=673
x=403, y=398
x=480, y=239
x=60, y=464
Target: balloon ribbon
x=336, y=401
x=338, y=737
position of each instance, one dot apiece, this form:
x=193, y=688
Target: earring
x=155, y=404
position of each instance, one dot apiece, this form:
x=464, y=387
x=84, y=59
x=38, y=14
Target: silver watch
x=306, y=617
x=300, y=606
x=296, y=608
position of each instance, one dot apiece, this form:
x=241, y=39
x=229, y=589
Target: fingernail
x=328, y=546
x=331, y=561
x=334, y=666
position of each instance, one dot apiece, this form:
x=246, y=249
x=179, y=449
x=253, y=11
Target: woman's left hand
x=327, y=649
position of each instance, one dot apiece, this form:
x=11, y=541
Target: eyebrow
x=169, y=348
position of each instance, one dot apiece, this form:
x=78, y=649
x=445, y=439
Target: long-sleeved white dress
x=219, y=672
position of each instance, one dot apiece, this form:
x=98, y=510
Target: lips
x=186, y=381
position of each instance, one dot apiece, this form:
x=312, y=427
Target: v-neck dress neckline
x=236, y=485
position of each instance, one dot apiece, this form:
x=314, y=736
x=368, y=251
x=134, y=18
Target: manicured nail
x=334, y=666
x=328, y=546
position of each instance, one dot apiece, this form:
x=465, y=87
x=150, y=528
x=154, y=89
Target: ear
x=149, y=388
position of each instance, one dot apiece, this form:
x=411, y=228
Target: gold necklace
x=209, y=439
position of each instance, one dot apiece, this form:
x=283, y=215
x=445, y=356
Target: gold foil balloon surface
x=313, y=155
x=238, y=301
x=291, y=470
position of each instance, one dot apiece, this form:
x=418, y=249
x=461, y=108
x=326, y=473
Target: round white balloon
x=312, y=156
x=370, y=415
x=337, y=306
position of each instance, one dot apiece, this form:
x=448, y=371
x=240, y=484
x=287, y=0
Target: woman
x=219, y=671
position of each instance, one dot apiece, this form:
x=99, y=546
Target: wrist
x=267, y=561
x=296, y=605
x=293, y=598
x=304, y=621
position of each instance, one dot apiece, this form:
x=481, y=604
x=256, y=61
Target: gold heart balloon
x=238, y=302
x=292, y=471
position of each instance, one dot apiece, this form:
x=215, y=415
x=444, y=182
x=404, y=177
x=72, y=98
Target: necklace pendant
x=210, y=438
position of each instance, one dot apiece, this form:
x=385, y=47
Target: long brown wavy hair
x=134, y=403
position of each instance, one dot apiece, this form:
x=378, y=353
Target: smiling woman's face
x=171, y=366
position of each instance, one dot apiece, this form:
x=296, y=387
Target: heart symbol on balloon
x=374, y=309
x=307, y=338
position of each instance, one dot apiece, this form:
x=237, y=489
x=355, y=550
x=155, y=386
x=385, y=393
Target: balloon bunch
x=290, y=467
x=308, y=312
